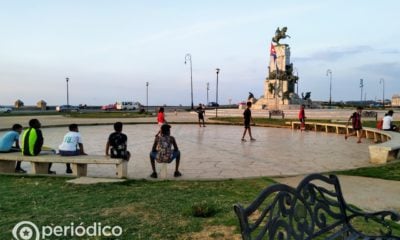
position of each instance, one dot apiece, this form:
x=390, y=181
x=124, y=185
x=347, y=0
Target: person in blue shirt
x=7, y=144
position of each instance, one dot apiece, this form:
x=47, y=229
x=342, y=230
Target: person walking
x=356, y=124
x=247, y=119
x=302, y=118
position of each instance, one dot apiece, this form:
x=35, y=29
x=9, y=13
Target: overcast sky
x=109, y=49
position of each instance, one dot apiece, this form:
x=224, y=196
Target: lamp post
x=361, y=87
x=67, y=79
x=147, y=96
x=188, y=57
x=216, y=97
x=208, y=88
x=382, y=81
x=329, y=73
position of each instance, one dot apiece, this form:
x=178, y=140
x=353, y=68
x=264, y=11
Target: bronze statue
x=280, y=34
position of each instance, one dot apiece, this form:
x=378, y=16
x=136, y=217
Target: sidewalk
x=370, y=194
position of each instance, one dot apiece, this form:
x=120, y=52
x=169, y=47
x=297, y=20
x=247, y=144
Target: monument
x=279, y=86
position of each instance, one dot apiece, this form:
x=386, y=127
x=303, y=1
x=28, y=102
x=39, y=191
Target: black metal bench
x=279, y=113
x=315, y=209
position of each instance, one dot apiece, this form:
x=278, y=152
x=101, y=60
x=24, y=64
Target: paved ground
x=216, y=152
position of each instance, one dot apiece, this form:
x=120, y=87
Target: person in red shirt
x=302, y=118
x=356, y=123
x=161, y=119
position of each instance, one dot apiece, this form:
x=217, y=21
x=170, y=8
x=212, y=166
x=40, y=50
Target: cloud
x=388, y=69
x=336, y=53
x=390, y=51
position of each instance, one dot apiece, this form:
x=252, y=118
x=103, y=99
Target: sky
x=109, y=49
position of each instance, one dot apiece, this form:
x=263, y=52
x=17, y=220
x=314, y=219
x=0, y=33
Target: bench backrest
x=306, y=212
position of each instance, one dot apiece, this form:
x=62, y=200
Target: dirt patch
x=212, y=233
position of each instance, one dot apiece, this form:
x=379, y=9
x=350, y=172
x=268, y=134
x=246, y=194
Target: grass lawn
x=144, y=209
x=390, y=171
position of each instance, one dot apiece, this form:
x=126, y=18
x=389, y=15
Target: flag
x=273, y=52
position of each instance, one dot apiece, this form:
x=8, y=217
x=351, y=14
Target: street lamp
x=382, y=81
x=67, y=79
x=216, y=98
x=329, y=72
x=147, y=96
x=361, y=87
x=188, y=57
x=208, y=88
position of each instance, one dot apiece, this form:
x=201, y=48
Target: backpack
x=379, y=125
x=164, y=149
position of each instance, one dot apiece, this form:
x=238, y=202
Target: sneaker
x=51, y=172
x=20, y=170
x=153, y=175
x=69, y=170
x=252, y=139
x=177, y=174
x=243, y=140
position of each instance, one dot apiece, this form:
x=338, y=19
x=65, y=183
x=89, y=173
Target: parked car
x=67, y=108
x=5, y=109
x=108, y=107
x=212, y=104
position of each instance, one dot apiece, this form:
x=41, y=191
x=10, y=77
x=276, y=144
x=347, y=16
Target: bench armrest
x=382, y=219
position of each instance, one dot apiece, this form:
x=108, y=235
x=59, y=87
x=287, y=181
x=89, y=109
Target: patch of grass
x=264, y=121
x=144, y=209
x=389, y=171
x=119, y=114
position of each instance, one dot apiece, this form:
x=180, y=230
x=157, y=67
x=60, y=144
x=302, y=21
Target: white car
x=5, y=109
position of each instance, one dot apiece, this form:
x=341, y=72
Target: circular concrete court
x=216, y=152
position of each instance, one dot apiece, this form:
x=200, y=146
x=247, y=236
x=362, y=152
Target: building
x=396, y=100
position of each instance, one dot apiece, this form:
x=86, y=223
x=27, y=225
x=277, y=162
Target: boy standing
x=7, y=141
x=201, y=113
x=246, y=120
x=72, y=144
x=118, y=143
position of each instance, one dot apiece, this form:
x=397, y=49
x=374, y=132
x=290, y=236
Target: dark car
x=212, y=104
x=67, y=108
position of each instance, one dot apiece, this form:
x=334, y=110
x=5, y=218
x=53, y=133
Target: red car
x=109, y=107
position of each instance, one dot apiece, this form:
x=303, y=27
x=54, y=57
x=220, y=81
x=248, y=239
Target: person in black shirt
x=116, y=146
x=201, y=112
x=247, y=119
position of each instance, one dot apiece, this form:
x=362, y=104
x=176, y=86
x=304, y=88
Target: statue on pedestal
x=280, y=34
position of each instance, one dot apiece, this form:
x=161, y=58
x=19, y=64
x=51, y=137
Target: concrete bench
x=386, y=151
x=387, y=145
x=79, y=164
